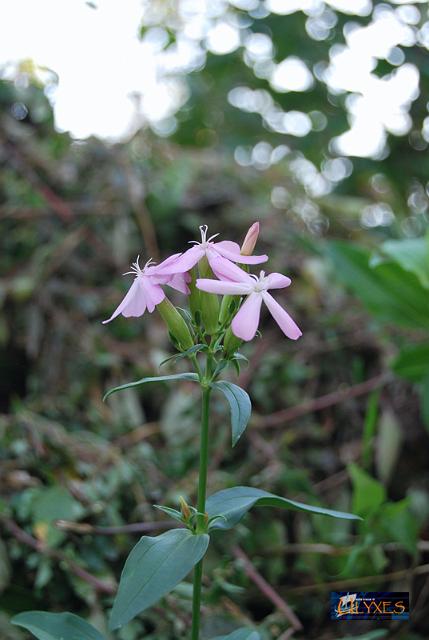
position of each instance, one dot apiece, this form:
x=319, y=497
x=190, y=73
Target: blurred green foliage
x=339, y=416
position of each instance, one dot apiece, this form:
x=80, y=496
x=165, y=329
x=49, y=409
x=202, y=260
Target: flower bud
x=209, y=301
x=231, y=343
x=194, y=296
x=177, y=327
x=250, y=240
x=228, y=307
x=184, y=508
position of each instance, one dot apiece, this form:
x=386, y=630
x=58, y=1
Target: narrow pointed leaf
x=153, y=568
x=56, y=626
x=175, y=376
x=241, y=634
x=236, y=366
x=234, y=503
x=239, y=356
x=185, y=354
x=240, y=406
x=173, y=513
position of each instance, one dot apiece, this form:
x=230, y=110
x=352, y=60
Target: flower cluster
x=218, y=273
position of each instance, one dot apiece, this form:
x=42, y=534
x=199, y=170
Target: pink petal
x=161, y=279
x=245, y=323
x=134, y=303
x=278, y=281
x=179, y=282
x=164, y=268
x=238, y=257
x=167, y=262
x=153, y=293
x=223, y=287
x=283, y=319
x=183, y=263
x=176, y=281
x=226, y=270
x=228, y=245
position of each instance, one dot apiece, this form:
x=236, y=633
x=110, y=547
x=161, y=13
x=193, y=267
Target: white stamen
x=260, y=283
x=203, y=229
x=136, y=270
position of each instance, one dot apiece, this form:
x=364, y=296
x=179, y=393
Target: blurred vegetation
x=340, y=417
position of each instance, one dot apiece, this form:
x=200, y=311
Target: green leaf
x=239, y=356
x=424, y=401
x=388, y=291
x=185, y=354
x=412, y=362
x=412, y=254
x=233, y=504
x=398, y=523
x=240, y=406
x=235, y=361
x=153, y=568
x=175, y=376
x=56, y=626
x=173, y=513
x=368, y=493
x=241, y=634
x=49, y=505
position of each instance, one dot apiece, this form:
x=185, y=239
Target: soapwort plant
x=209, y=335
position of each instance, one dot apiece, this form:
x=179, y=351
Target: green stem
x=201, y=506
x=196, y=600
x=204, y=447
x=197, y=365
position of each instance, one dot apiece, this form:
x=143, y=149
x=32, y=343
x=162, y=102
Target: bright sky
x=110, y=82
x=97, y=56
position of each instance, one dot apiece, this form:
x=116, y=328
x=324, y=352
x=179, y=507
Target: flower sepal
x=185, y=354
x=209, y=303
x=177, y=327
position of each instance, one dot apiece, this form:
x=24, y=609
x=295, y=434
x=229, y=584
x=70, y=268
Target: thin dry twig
x=137, y=435
x=323, y=402
x=287, y=634
x=25, y=538
x=22, y=165
x=137, y=527
x=140, y=210
x=293, y=548
x=267, y=589
x=340, y=585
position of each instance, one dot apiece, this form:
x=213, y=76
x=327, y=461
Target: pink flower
x=212, y=250
x=175, y=280
x=146, y=292
x=235, y=281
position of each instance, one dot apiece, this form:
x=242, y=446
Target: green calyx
x=194, y=296
x=209, y=302
x=231, y=343
x=196, y=521
x=177, y=327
